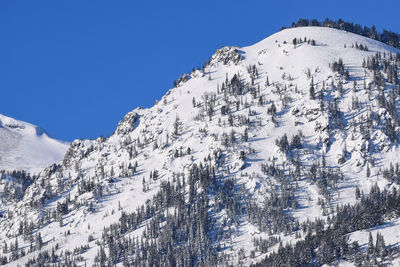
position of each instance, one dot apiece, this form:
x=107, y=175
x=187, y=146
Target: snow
x=24, y=146
x=275, y=57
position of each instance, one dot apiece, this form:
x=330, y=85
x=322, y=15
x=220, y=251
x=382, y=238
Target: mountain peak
x=292, y=140
x=24, y=146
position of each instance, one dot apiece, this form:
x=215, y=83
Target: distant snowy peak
x=24, y=146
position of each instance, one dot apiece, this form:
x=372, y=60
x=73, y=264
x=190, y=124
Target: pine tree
x=312, y=89
x=39, y=242
x=370, y=246
x=246, y=135
x=358, y=193
x=176, y=126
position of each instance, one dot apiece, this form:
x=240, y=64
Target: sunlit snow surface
x=27, y=147
x=284, y=64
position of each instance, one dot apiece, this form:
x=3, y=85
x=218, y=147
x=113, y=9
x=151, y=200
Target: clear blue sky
x=76, y=67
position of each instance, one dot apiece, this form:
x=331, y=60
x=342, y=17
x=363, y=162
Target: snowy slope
x=24, y=146
x=224, y=130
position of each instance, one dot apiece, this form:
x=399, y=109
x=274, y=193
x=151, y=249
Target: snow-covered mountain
x=283, y=153
x=27, y=147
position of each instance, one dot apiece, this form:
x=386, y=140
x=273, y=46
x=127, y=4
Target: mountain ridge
x=247, y=154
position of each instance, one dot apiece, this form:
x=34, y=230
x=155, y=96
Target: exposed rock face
x=227, y=55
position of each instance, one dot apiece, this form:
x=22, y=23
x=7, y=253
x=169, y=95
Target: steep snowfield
x=24, y=146
x=146, y=137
